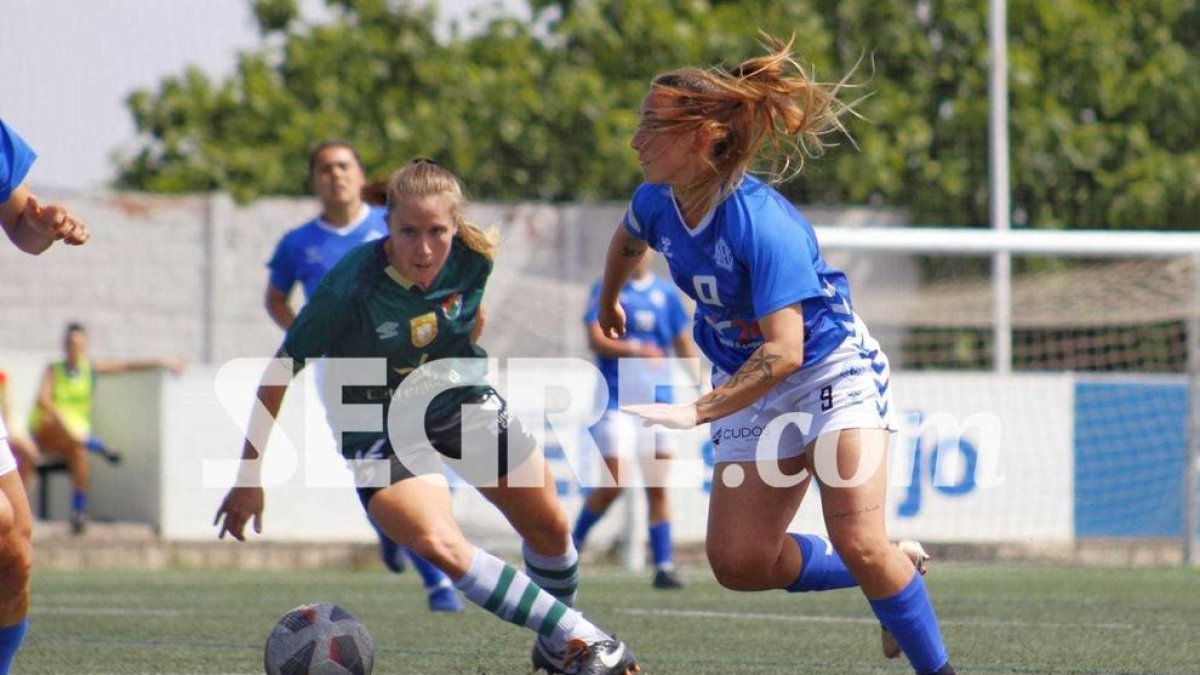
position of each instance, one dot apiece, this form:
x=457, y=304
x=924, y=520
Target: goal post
x=1115, y=312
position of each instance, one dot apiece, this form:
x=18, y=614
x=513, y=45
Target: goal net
x=1084, y=431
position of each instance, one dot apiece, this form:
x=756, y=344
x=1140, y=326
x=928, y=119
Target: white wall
x=176, y=430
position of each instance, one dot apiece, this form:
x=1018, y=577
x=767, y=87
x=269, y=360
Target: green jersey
x=365, y=309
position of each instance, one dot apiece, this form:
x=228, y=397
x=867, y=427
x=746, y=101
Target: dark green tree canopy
x=1103, y=94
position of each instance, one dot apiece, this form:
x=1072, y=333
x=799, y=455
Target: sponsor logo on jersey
x=452, y=306
x=742, y=432
x=424, y=329
x=723, y=256
x=664, y=247
x=851, y=370
x=388, y=330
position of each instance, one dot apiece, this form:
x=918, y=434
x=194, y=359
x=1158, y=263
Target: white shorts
x=8, y=463
x=616, y=435
x=849, y=389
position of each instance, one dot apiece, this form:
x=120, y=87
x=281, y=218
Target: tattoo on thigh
x=857, y=512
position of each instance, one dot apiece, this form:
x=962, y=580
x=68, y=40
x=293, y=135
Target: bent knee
x=451, y=552
x=741, y=568
x=16, y=561
x=862, y=553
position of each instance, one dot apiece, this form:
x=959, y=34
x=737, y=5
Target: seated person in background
x=26, y=452
x=61, y=421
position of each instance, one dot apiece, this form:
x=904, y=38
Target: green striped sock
x=558, y=575
x=511, y=595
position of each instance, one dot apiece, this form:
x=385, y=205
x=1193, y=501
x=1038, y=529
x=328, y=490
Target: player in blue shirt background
x=304, y=255
x=798, y=384
x=658, y=323
x=32, y=228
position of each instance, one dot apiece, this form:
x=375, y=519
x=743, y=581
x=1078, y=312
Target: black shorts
x=494, y=441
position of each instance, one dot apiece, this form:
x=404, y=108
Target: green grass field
x=997, y=619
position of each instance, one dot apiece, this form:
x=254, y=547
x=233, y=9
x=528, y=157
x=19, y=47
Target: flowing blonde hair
x=768, y=101
x=426, y=178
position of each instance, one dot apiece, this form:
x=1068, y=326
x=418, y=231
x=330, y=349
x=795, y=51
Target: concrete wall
x=185, y=276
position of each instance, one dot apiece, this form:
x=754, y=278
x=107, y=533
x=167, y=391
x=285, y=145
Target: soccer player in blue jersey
x=32, y=228
x=414, y=298
x=658, y=324
x=305, y=255
x=794, y=366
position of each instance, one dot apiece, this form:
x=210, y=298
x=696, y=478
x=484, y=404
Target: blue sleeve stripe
x=631, y=221
x=16, y=157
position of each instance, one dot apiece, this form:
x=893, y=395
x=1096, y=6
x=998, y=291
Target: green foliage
x=1103, y=101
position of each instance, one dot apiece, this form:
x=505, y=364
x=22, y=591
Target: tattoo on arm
x=759, y=367
x=632, y=252
x=710, y=400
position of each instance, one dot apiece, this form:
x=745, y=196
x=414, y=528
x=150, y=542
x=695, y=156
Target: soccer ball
x=319, y=639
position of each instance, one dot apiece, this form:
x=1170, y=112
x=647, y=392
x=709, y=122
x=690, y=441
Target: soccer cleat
x=78, y=523
x=445, y=599
x=667, y=579
x=544, y=659
x=606, y=657
x=920, y=560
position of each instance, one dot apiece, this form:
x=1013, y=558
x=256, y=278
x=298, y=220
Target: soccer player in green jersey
x=414, y=298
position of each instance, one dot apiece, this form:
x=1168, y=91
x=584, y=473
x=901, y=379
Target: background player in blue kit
x=305, y=255
x=31, y=228
x=658, y=323
x=779, y=326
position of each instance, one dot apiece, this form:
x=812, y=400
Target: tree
x=1103, y=102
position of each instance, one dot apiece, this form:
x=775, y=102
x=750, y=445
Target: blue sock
x=821, y=568
x=587, y=518
x=94, y=444
x=389, y=550
x=431, y=576
x=78, y=502
x=660, y=543
x=909, y=617
x=10, y=642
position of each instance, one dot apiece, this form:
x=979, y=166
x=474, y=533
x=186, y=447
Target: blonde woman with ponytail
x=799, y=386
x=413, y=298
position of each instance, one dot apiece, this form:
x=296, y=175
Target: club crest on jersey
x=664, y=247
x=723, y=256
x=424, y=329
x=452, y=306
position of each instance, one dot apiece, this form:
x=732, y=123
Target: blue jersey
x=15, y=159
x=654, y=314
x=308, y=252
x=752, y=255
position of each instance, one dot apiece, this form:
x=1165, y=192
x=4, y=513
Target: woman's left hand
x=669, y=415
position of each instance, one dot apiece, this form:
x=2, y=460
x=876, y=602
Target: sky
x=66, y=67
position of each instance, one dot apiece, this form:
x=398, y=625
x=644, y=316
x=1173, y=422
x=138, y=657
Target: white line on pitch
x=114, y=611
x=810, y=618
